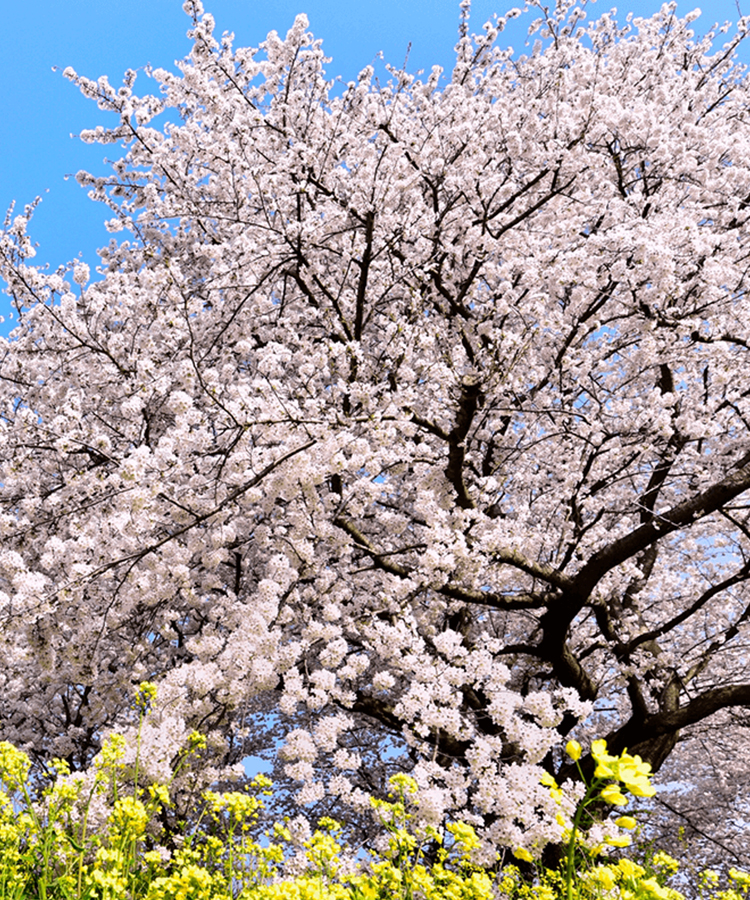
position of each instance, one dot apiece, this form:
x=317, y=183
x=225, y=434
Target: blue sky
x=39, y=109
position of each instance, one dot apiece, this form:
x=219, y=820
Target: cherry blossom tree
x=406, y=422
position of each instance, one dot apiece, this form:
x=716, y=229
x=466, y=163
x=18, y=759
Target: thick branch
x=521, y=600
x=655, y=633
x=700, y=707
x=470, y=401
x=664, y=523
x=654, y=737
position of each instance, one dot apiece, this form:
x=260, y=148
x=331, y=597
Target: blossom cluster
x=402, y=426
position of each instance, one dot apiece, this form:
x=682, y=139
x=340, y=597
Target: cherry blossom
x=402, y=426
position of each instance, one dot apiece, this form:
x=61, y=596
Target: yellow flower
x=709, y=878
x=640, y=787
x=14, y=766
x=260, y=781
x=599, y=749
x=634, y=773
x=664, y=861
x=159, y=793
x=521, y=853
x=573, y=749
x=112, y=752
x=145, y=694
x=630, y=869
x=65, y=793
x=605, y=876
x=404, y=784
x=655, y=889
x=543, y=892
x=465, y=836
x=622, y=841
x=612, y=794
x=741, y=878
x=626, y=822
x=630, y=770
x=191, y=881
x=196, y=741
x=606, y=764
x=61, y=766
x=129, y=817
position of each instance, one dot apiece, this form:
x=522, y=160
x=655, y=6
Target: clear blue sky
x=39, y=109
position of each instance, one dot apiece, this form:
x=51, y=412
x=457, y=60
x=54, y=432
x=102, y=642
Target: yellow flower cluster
x=621, y=880
x=46, y=850
x=631, y=771
x=580, y=878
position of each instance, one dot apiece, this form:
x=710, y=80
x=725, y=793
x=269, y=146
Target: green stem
x=591, y=790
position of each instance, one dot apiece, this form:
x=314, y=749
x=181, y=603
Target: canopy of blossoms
x=403, y=426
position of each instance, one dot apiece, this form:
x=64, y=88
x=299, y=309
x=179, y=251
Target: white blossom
x=400, y=427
